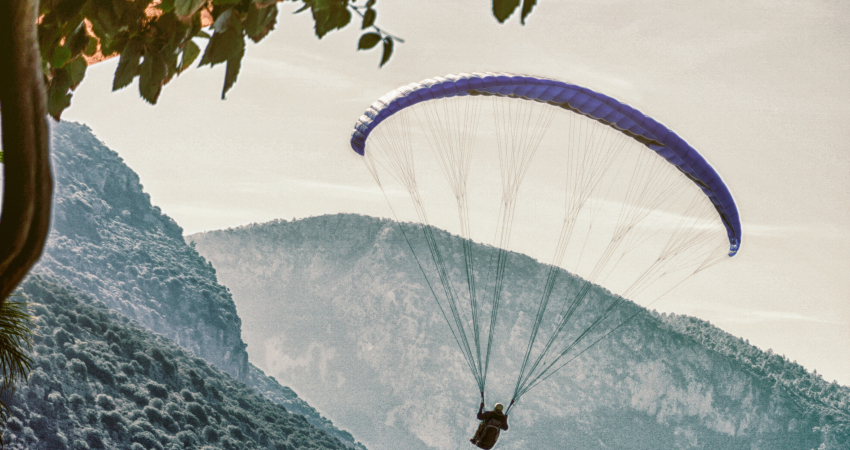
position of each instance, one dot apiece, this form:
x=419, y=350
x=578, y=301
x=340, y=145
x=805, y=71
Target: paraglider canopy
x=578, y=99
x=617, y=203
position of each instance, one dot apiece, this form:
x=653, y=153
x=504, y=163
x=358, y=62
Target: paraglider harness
x=490, y=428
x=490, y=434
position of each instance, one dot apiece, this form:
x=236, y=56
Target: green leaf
x=166, y=6
x=58, y=97
x=368, y=41
x=185, y=8
x=320, y=17
x=170, y=34
x=388, y=50
x=224, y=20
x=104, y=19
x=503, y=9
x=16, y=330
x=120, y=8
x=233, y=66
x=340, y=16
x=61, y=55
x=224, y=45
x=116, y=44
x=301, y=9
x=330, y=16
x=190, y=53
x=368, y=18
x=78, y=40
x=260, y=21
x=66, y=9
x=151, y=75
x=226, y=42
x=48, y=39
x=225, y=2
x=128, y=65
x=91, y=47
x=527, y=6
x=170, y=67
x=77, y=70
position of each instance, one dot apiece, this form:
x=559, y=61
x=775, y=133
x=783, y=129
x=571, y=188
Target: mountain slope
x=336, y=307
x=111, y=243
x=102, y=381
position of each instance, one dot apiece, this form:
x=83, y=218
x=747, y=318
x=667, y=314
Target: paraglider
x=491, y=426
x=619, y=206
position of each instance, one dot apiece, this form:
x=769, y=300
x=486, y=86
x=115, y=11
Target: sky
x=760, y=88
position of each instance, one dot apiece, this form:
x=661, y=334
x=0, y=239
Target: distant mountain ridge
x=111, y=243
x=322, y=295
x=826, y=398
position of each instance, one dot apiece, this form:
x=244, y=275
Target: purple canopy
x=581, y=100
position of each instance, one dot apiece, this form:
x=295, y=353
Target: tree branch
x=28, y=185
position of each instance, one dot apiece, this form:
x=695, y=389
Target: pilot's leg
x=475, y=439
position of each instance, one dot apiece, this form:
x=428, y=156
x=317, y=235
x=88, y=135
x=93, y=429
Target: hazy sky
x=760, y=88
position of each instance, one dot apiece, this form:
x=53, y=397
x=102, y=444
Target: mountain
x=102, y=381
x=336, y=306
x=108, y=241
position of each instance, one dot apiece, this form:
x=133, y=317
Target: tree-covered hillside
x=321, y=295
x=101, y=381
x=110, y=242
x=829, y=400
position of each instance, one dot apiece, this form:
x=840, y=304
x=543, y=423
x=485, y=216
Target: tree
x=28, y=185
x=157, y=40
x=15, y=342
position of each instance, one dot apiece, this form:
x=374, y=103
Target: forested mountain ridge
x=102, y=381
x=830, y=400
x=111, y=243
x=324, y=294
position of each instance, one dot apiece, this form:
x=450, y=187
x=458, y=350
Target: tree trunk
x=28, y=185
